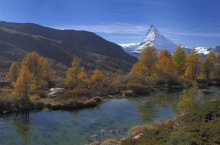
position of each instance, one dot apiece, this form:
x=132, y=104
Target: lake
x=112, y=118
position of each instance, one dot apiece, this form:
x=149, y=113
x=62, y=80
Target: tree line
x=152, y=67
x=36, y=74
x=177, y=67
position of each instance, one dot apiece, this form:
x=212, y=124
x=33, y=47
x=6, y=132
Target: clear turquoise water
x=112, y=118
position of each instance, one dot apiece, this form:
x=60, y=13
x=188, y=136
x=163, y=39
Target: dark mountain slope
x=43, y=46
x=61, y=46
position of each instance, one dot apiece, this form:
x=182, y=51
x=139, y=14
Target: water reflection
x=159, y=106
x=23, y=127
x=148, y=111
x=111, y=119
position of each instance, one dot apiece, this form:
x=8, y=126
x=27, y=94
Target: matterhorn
x=152, y=38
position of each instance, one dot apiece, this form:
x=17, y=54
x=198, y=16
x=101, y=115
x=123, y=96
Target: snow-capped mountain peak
x=153, y=38
x=151, y=34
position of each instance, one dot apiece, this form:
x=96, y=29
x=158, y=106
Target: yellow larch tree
x=83, y=78
x=98, y=78
x=46, y=72
x=179, y=59
x=72, y=74
x=192, y=65
x=13, y=72
x=209, y=65
x=40, y=69
x=217, y=69
x=164, y=69
x=22, y=85
x=145, y=63
x=32, y=63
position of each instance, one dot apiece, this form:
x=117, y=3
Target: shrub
x=201, y=78
x=189, y=99
x=134, y=85
x=199, y=127
x=111, y=142
x=60, y=83
x=118, y=85
x=35, y=98
x=7, y=100
x=77, y=92
x=138, y=130
x=41, y=94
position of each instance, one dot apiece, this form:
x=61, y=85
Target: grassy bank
x=199, y=127
x=39, y=101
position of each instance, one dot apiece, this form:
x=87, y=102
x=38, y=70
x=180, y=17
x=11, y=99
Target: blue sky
x=189, y=22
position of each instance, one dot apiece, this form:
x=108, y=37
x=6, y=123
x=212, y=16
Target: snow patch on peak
x=128, y=45
x=152, y=34
x=202, y=50
x=131, y=48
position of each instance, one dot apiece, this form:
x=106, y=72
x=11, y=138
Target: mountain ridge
x=155, y=39
x=152, y=38
x=61, y=46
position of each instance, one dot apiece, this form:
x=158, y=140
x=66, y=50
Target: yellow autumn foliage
x=192, y=65
x=13, y=72
x=22, y=85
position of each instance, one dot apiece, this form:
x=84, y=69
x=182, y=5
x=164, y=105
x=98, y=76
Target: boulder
x=54, y=91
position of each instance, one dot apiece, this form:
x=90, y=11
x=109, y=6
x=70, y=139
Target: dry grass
x=134, y=85
x=6, y=95
x=111, y=142
x=138, y=130
x=34, y=98
x=77, y=92
x=143, y=128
